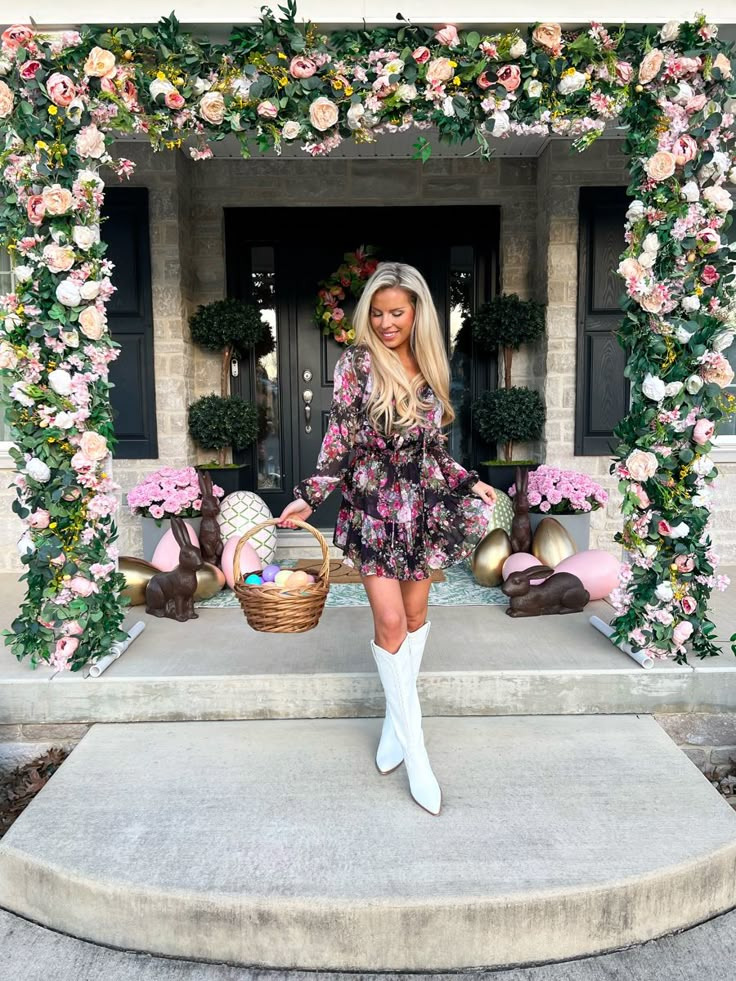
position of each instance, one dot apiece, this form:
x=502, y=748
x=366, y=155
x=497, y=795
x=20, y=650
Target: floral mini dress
x=406, y=505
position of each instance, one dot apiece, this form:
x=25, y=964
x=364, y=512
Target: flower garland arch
x=349, y=278
x=64, y=96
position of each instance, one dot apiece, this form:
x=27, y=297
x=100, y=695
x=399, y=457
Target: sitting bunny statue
x=171, y=594
x=561, y=592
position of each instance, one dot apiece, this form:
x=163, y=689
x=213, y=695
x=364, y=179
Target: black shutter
x=130, y=319
x=602, y=391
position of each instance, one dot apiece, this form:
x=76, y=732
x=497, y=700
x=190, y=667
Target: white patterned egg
x=239, y=512
x=503, y=512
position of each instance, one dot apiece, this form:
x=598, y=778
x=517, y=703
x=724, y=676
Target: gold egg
x=552, y=543
x=489, y=557
x=137, y=572
x=210, y=580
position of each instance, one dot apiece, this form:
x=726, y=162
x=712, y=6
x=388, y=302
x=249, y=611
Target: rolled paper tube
x=607, y=630
x=96, y=669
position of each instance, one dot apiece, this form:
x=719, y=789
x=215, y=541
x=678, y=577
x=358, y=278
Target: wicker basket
x=280, y=610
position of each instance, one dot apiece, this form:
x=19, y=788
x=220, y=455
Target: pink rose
x=440, y=70
x=39, y=519
x=660, y=165
x=64, y=649
x=57, y=200
x=650, y=65
x=174, y=100
x=448, y=36
x=82, y=586
x=684, y=563
x=664, y=527
x=708, y=241
x=548, y=36
x=90, y=142
x=624, y=72
x=682, y=632
x=421, y=54
x=60, y=89
x=93, y=446
x=483, y=81
x=510, y=76
x=58, y=258
x=267, y=110
x=685, y=149
x=323, y=113
x=641, y=465
x=696, y=103
x=710, y=275
x=212, y=108
x=16, y=37
x=703, y=431
x=301, y=67
x=100, y=63
x=35, y=209
x=688, y=605
x=28, y=70
x=641, y=495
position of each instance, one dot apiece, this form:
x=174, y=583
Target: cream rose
x=722, y=63
x=85, y=236
x=571, y=82
x=718, y=371
x=630, y=268
x=100, y=63
x=291, y=130
x=534, y=88
x=548, y=36
x=70, y=338
x=440, y=70
x=90, y=142
x=8, y=357
x=670, y=31
x=67, y=293
x=650, y=65
x=58, y=258
x=212, y=108
x=518, y=48
x=90, y=290
x=56, y=200
x=719, y=198
x=660, y=165
x=323, y=113
x=92, y=323
x=6, y=100
x=641, y=465
x=93, y=446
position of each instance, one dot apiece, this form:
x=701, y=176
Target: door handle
x=307, y=396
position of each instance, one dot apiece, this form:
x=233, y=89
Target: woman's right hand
x=296, y=509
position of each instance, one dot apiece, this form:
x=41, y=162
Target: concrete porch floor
x=478, y=661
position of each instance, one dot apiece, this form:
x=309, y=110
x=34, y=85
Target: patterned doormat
x=458, y=589
x=341, y=573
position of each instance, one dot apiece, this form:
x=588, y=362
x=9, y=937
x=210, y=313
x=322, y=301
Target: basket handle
x=324, y=571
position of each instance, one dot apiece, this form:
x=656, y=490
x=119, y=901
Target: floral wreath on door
x=348, y=280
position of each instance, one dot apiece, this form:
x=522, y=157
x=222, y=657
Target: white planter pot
x=576, y=525
x=154, y=531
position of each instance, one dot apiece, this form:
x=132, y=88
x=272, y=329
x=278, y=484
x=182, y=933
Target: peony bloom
x=58, y=258
x=641, y=465
x=660, y=165
x=571, y=81
x=60, y=89
x=267, y=110
x=100, y=63
x=83, y=586
x=93, y=446
x=323, y=113
x=65, y=648
x=39, y=519
x=67, y=293
x=37, y=470
x=90, y=142
x=212, y=108
x=710, y=275
x=60, y=381
x=719, y=198
x=57, y=200
x=174, y=100
x=448, y=36
x=682, y=632
x=35, y=209
x=548, y=36
x=301, y=67
x=684, y=563
x=708, y=241
x=440, y=70
x=688, y=604
x=685, y=149
x=510, y=77
x=650, y=65
x=16, y=37
x=421, y=54
x=92, y=323
x=653, y=387
x=703, y=431
x=717, y=370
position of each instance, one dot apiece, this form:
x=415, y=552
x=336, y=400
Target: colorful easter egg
x=502, y=513
x=296, y=580
x=253, y=580
x=596, y=569
x=239, y=512
x=166, y=555
x=282, y=577
x=270, y=572
x=249, y=559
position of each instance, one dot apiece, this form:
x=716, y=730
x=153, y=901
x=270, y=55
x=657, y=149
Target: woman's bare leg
x=389, y=616
x=415, y=596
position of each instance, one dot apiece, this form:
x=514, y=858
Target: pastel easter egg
x=296, y=580
x=249, y=559
x=270, y=585
x=311, y=578
x=282, y=577
x=253, y=580
x=517, y=563
x=241, y=511
x=270, y=572
x=596, y=569
x=166, y=556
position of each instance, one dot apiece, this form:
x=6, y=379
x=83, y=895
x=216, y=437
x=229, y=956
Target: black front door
x=284, y=278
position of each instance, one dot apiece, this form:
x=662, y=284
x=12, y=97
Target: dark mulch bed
x=19, y=787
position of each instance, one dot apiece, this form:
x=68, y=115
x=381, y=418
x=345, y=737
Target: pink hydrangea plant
x=167, y=492
x=555, y=491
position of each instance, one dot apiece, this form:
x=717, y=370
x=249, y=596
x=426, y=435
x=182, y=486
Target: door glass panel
x=267, y=395
x=462, y=290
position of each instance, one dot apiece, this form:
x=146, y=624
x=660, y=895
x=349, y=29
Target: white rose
x=160, y=86
x=37, y=470
x=67, y=293
x=649, y=551
x=647, y=259
x=85, y=236
x=719, y=198
x=518, y=48
x=90, y=177
x=690, y=303
x=5, y=65
x=690, y=192
x=239, y=86
x=500, y=123
x=291, y=129
x=683, y=95
x=571, y=83
x=355, y=115
x=681, y=530
x=693, y=384
x=534, y=89
x=23, y=273
x=641, y=465
x=19, y=393
x=703, y=465
x=635, y=210
x=653, y=387
x=670, y=30
x=682, y=335
x=723, y=341
x=70, y=338
x=447, y=107
x=90, y=290
x=651, y=243
x=407, y=91
x=202, y=85
x=64, y=420
x=25, y=544
x=664, y=592
x=701, y=500
x=60, y=381
x=673, y=389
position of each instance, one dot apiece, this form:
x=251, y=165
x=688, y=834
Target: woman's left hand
x=484, y=491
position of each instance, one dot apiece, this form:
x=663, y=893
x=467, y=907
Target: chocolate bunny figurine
x=171, y=594
x=521, y=531
x=210, y=537
x=561, y=592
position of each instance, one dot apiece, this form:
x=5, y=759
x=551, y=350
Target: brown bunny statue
x=561, y=592
x=210, y=537
x=171, y=594
x=521, y=531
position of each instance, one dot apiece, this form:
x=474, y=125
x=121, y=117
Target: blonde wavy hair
x=394, y=402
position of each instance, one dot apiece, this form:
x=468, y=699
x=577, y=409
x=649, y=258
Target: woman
x=407, y=506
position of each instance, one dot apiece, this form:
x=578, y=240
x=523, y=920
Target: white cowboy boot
x=397, y=677
x=389, y=754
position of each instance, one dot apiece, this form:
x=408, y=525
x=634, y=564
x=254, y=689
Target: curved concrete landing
x=277, y=843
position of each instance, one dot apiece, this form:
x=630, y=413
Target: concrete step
x=278, y=844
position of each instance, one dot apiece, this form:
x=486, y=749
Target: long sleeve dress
x=406, y=504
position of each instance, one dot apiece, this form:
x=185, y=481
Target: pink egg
x=596, y=569
x=517, y=563
x=166, y=556
x=249, y=559
x=296, y=580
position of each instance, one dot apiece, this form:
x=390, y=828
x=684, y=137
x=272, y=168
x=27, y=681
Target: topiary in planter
x=509, y=415
x=507, y=322
x=216, y=422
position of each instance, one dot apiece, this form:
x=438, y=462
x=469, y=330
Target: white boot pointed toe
x=397, y=678
x=390, y=754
